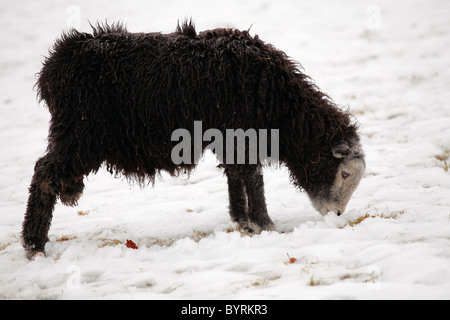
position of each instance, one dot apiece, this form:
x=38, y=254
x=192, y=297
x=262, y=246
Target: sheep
x=116, y=97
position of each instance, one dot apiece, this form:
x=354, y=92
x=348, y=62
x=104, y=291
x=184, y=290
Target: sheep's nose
x=338, y=213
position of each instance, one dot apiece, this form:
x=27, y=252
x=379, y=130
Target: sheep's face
x=349, y=172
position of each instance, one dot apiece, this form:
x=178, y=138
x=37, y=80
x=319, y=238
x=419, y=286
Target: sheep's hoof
x=31, y=254
x=260, y=227
x=33, y=250
x=255, y=228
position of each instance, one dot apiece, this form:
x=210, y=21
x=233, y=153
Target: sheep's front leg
x=258, y=217
x=238, y=201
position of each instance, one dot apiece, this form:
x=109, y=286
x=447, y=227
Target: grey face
x=348, y=175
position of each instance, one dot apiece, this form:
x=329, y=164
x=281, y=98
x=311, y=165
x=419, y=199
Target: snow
x=387, y=61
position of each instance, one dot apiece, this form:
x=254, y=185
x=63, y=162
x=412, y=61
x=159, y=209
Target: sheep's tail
x=60, y=57
x=51, y=76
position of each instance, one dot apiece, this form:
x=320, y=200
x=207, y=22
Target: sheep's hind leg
x=71, y=190
x=49, y=181
x=259, y=219
x=43, y=192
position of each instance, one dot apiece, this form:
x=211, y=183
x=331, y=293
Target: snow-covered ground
x=388, y=61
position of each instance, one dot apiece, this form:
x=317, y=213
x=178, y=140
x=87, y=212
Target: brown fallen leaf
x=130, y=244
x=291, y=260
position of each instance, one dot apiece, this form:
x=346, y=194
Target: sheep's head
x=335, y=195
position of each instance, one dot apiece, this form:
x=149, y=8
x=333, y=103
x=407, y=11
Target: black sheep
x=116, y=97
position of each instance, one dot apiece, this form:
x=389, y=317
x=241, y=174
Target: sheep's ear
x=341, y=151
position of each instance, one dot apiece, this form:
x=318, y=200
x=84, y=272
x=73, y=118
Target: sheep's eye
x=345, y=174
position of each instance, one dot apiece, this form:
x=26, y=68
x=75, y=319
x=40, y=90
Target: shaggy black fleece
x=116, y=97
